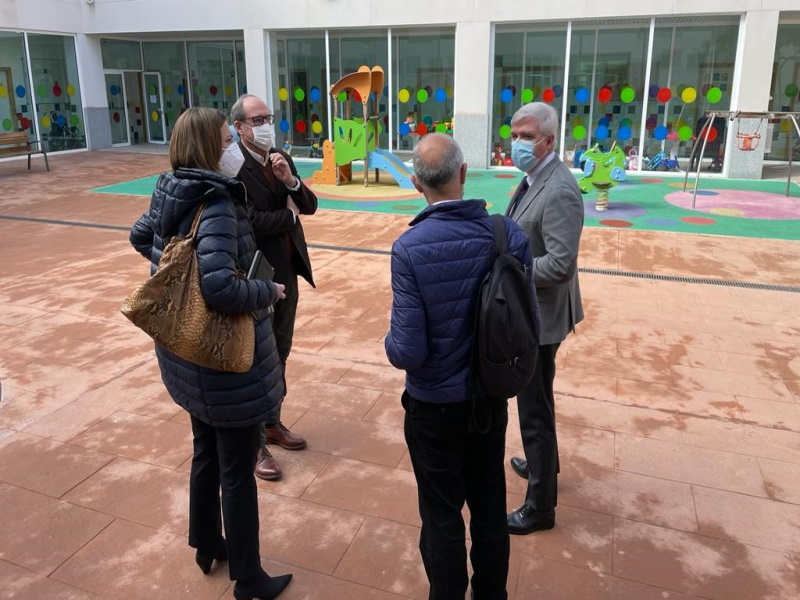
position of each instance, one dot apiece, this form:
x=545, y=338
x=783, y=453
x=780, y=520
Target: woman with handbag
x=200, y=200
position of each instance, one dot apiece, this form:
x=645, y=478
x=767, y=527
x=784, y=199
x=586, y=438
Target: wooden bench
x=16, y=143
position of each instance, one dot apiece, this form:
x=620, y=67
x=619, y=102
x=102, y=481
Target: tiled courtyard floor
x=678, y=409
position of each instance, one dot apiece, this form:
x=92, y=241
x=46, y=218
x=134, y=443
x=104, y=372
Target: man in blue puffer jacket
x=437, y=267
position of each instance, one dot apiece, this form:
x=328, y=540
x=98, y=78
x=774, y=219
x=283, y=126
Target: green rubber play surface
x=741, y=208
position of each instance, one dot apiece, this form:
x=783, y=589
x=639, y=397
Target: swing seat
x=748, y=141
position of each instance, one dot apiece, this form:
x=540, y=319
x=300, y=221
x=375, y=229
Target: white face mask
x=264, y=136
x=231, y=160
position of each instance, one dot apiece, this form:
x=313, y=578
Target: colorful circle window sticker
x=422, y=96
x=229, y=90
x=582, y=95
x=689, y=95
x=601, y=132
x=685, y=133
x=505, y=132
x=3, y=91
x=624, y=133
x=549, y=95
x=579, y=132
x=404, y=129
x=404, y=95
x=299, y=95
x=114, y=90
x=527, y=95
x=316, y=127
x=341, y=96
x=154, y=116
x=314, y=94
x=660, y=132
x=422, y=129
x=791, y=90
x=664, y=95
x=25, y=123
x=300, y=126
x=116, y=117
x=713, y=95
x=7, y=124
x=213, y=90
x=20, y=90
x=627, y=95
x=284, y=125
x=283, y=94
x=45, y=121
x=604, y=95
x=506, y=95
x=440, y=95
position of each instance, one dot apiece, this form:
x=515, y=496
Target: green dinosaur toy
x=602, y=171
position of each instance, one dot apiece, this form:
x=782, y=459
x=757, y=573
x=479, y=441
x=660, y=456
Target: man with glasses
x=276, y=197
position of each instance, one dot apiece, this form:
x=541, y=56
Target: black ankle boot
x=262, y=587
x=204, y=559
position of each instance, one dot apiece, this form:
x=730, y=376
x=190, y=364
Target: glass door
x=154, y=107
x=117, y=113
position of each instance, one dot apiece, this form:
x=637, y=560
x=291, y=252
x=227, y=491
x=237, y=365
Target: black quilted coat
x=225, y=244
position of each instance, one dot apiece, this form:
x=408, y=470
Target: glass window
x=168, y=59
x=529, y=65
x=241, y=69
x=121, y=54
x=692, y=72
x=213, y=74
x=606, y=87
x=786, y=90
x=302, y=114
x=509, y=59
x=16, y=108
x=423, y=79
x=58, y=97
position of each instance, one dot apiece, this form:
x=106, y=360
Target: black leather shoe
x=527, y=519
x=520, y=466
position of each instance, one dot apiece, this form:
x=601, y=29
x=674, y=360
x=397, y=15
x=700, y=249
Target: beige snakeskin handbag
x=170, y=308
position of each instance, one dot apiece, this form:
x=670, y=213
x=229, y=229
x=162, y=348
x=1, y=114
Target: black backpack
x=506, y=338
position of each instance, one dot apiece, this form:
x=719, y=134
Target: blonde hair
x=196, y=141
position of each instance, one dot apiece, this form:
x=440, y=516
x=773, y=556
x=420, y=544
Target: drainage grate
x=699, y=280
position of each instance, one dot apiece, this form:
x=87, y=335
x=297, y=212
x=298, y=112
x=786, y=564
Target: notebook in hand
x=261, y=269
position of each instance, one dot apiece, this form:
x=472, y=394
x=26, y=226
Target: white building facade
x=97, y=73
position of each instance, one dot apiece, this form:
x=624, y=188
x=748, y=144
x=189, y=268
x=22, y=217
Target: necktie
x=519, y=195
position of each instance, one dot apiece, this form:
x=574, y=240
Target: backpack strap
x=500, y=239
x=196, y=221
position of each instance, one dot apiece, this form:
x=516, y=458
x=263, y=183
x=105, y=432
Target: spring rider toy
x=602, y=171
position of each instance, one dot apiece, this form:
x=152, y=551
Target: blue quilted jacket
x=225, y=244
x=437, y=266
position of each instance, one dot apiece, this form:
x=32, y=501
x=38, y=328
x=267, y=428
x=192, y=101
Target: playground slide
x=386, y=161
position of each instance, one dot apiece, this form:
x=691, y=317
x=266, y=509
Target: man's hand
x=281, y=291
x=281, y=169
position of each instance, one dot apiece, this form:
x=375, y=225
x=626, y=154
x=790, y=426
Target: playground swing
x=748, y=141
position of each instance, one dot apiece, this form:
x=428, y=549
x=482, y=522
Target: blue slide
x=386, y=161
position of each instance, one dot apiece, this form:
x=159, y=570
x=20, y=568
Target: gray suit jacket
x=551, y=214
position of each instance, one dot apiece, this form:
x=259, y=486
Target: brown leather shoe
x=279, y=434
x=267, y=467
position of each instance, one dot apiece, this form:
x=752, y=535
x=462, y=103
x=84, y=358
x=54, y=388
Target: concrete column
x=93, y=91
x=472, y=110
x=752, y=87
x=258, y=63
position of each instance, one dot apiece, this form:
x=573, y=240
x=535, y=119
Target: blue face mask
x=522, y=155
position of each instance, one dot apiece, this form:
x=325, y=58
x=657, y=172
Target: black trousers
x=283, y=325
x=225, y=457
x=537, y=422
x=452, y=466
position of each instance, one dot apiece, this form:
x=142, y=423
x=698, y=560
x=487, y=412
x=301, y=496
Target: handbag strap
x=196, y=221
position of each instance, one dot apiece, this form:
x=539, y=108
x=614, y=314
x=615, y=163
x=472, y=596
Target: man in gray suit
x=549, y=209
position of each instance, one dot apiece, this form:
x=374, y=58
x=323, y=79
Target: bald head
x=437, y=161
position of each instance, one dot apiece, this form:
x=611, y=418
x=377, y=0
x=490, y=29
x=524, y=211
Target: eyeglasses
x=260, y=120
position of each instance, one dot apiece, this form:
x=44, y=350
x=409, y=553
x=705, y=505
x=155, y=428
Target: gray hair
x=442, y=168
x=237, y=110
x=545, y=115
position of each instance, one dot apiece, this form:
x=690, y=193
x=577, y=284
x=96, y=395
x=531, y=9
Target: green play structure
x=356, y=139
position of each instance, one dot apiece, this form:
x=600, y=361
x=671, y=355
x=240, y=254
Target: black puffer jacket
x=224, y=243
